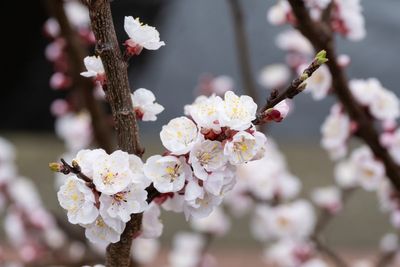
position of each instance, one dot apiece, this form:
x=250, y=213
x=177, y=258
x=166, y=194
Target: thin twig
x=325, y=217
x=296, y=87
x=328, y=252
x=321, y=36
x=76, y=53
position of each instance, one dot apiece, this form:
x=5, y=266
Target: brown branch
x=329, y=253
x=242, y=46
x=296, y=87
x=385, y=259
x=321, y=37
x=76, y=54
x=118, y=95
x=325, y=217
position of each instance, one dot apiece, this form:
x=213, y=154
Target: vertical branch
x=118, y=95
x=320, y=35
x=117, y=92
x=76, y=54
x=242, y=46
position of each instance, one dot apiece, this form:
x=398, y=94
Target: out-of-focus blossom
x=152, y=226
x=294, y=220
x=319, y=83
x=144, y=251
x=75, y=129
x=217, y=223
x=274, y=76
x=328, y=198
x=335, y=132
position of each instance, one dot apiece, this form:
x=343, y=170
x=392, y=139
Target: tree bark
x=119, y=97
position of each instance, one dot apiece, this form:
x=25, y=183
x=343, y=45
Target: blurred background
x=199, y=39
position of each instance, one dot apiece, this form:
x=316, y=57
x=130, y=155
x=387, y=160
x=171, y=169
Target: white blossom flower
x=315, y=263
x=362, y=263
x=7, y=151
x=22, y=186
x=51, y=27
x=335, y=132
x=382, y=103
x=293, y=220
x=221, y=84
x=144, y=251
x=206, y=157
x=94, y=67
x=86, y=158
x=385, y=106
x=14, y=228
x=179, y=135
x=205, y=112
x=101, y=233
x=266, y=179
x=370, y=172
x=75, y=129
x=217, y=223
x=278, y=13
x=174, y=203
x=385, y=195
x=78, y=200
x=274, y=76
x=144, y=105
x=111, y=173
x=237, y=112
x=244, y=147
x=136, y=168
x=365, y=90
x=142, y=35
x=391, y=140
x=319, y=83
x=329, y=198
x=198, y=202
x=294, y=41
x=285, y=253
x=152, y=226
x=167, y=173
x=77, y=14
x=350, y=13
x=186, y=251
x=345, y=174
x=121, y=205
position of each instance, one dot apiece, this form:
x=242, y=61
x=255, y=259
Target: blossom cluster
x=118, y=192
x=30, y=229
x=192, y=176
x=203, y=151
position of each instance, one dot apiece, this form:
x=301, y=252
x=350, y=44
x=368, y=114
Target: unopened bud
x=321, y=57
x=55, y=166
x=76, y=166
